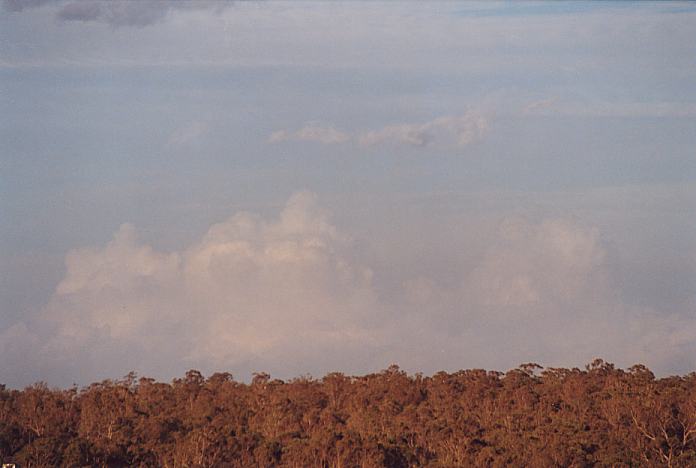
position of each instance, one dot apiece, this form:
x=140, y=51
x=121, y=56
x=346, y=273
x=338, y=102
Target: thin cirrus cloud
x=627, y=109
x=116, y=13
x=457, y=131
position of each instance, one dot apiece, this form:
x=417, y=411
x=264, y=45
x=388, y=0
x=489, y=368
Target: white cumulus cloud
x=288, y=295
x=533, y=265
x=249, y=290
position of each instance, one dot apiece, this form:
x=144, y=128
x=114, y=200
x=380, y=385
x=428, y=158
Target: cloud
x=188, y=133
x=552, y=263
x=606, y=108
x=458, y=131
x=117, y=13
x=630, y=44
x=249, y=290
x=540, y=291
x=539, y=105
x=311, y=132
x=453, y=130
x=20, y=5
x=290, y=295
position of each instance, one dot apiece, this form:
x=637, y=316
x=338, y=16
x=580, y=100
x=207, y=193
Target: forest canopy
x=528, y=416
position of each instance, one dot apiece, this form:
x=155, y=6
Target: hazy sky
x=303, y=187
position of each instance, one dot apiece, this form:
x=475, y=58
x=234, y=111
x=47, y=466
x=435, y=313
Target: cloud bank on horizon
x=285, y=295
x=292, y=196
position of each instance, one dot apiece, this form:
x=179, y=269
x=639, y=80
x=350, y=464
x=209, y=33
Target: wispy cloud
x=188, y=133
x=605, y=108
x=116, y=13
x=457, y=131
x=449, y=130
x=539, y=105
x=325, y=134
x=21, y=5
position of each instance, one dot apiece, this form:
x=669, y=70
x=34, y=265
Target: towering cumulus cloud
x=288, y=296
x=552, y=263
x=250, y=290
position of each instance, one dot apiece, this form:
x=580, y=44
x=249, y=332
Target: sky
x=301, y=187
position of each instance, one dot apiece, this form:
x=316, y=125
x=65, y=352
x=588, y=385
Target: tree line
x=529, y=416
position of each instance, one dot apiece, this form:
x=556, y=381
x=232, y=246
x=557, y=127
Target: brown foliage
x=529, y=416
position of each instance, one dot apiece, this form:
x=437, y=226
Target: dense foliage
x=526, y=417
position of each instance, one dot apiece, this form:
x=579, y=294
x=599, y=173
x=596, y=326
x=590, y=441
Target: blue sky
x=443, y=175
